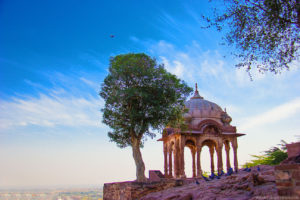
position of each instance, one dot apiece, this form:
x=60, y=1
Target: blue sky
x=54, y=55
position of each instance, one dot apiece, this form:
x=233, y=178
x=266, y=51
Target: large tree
x=140, y=96
x=265, y=33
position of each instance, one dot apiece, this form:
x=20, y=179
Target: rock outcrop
x=287, y=174
x=256, y=184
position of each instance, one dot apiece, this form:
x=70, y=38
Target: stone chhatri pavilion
x=208, y=125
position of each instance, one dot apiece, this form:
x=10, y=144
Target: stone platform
x=132, y=190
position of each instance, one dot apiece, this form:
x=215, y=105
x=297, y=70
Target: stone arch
x=226, y=141
x=207, y=122
x=191, y=144
x=211, y=129
x=213, y=146
x=171, y=145
x=209, y=142
x=190, y=140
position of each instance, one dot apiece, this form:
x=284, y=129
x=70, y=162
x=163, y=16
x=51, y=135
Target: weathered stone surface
x=283, y=175
x=293, y=149
x=287, y=174
x=155, y=175
x=243, y=185
x=284, y=166
x=132, y=190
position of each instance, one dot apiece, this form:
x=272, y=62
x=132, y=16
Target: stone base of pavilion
x=131, y=190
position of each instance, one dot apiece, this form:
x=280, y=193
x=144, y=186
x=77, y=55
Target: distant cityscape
x=58, y=194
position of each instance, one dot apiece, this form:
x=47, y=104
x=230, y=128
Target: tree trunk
x=139, y=163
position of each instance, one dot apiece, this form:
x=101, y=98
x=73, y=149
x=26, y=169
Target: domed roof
x=201, y=108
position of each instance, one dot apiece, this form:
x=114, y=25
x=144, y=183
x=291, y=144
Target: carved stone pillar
x=227, y=149
x=220, y=159
x=193, y=151
x=165, y=159
x=175, y=162
x=179, y=163
x=182, y=145
x=199, y=171
x=212, y=165
x=235, y=159
x=176, y=159
x=170, y=162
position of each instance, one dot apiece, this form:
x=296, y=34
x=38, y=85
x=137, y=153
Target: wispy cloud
x=278, y=113
x=90, y=83
x=49, y=111
x=170, y=20
x=72, y=100
x=192, y=63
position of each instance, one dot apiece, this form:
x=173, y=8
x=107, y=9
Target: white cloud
x=192, y=63
x=283, y=111
x=91, y=84
x=49, y=110
x=176, y=67
x=65, y=100
x=173, y=24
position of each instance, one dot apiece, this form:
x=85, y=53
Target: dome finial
x=196, y=94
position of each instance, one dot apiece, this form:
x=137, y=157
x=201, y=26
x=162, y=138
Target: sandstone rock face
x=243, y=185
x=287, y=176
x=293, y=149
x=132, y=190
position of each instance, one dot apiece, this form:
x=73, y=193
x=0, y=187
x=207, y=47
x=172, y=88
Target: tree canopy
x=265, y=33
x=140, y=95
